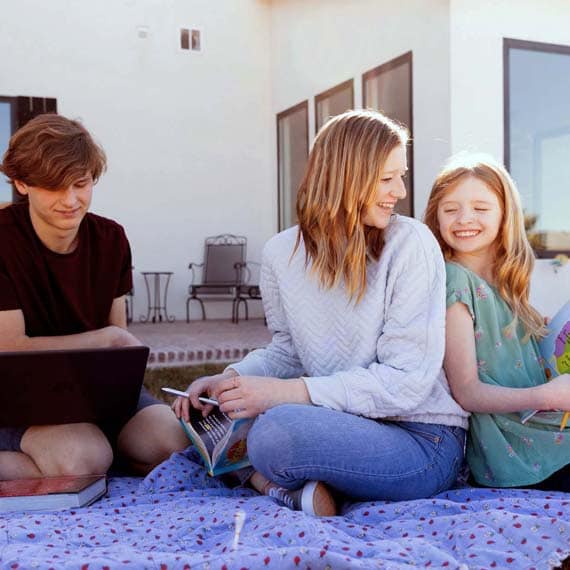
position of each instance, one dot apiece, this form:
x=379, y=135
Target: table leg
x=157, y=312
x=143, y=318
x=170, y=318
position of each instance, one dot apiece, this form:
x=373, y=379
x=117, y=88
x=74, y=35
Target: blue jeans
x=362, y=458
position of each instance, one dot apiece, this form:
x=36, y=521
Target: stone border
x=178, y=357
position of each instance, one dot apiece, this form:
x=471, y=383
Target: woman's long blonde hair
x=341, y=180
x=514, y=258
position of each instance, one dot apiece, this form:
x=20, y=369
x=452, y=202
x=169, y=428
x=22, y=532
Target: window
x=7, y=120
x=537, y=138
x=292, y=153
x=333, y=102
x=15, y=112
x=388, y=88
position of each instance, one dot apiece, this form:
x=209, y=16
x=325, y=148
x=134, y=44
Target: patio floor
x=198, y=342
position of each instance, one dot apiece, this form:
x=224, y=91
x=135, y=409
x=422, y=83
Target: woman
x=350, y=392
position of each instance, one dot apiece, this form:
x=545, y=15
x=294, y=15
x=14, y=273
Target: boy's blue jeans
x=362, y=458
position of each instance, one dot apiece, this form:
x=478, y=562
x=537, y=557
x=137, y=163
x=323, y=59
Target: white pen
x=205, y=400
x=202, y=399
x=175, y=392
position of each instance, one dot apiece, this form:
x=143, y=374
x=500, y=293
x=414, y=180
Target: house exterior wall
x=319, y=44
x=477, y=30
x=189, y=137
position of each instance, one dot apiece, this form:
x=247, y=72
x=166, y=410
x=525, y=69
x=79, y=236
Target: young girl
x=491, y=358
x=350, y=391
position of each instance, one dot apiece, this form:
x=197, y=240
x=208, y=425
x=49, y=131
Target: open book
x=555, y=351
x=51, y=493
x=220, y=440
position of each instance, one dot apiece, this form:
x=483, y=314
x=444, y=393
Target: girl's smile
x=469, y=217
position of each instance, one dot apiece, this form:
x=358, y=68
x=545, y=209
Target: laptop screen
x=100, y=385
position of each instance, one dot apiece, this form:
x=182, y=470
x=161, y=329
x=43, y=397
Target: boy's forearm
x=100, y=338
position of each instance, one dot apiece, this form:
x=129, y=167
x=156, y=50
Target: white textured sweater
x=381, y=358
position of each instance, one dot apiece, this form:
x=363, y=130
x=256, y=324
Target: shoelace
x=282, y=495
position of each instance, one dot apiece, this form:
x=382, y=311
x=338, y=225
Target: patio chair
x=248, y=289
x=222, y=268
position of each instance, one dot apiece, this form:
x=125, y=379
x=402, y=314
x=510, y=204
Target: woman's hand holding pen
x=249, y=396
x=204, y=385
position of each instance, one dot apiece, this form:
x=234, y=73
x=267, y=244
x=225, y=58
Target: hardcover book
x=51, y=493
x=555, y=351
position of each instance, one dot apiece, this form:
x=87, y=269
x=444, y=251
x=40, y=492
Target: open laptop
x=98, y=385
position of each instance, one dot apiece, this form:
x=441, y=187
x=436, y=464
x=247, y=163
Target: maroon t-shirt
x=62, y=294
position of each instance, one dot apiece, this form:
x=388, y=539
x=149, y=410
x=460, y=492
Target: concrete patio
x=199, y=342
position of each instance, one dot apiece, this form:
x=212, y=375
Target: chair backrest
x=224, y=256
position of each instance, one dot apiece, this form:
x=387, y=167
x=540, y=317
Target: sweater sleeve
x=410, y=347
x=279, y=359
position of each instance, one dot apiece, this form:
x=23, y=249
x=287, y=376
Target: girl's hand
x=249, y=396
x=558, y=393
x=204, y=385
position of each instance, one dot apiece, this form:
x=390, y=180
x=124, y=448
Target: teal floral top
x=501, y=451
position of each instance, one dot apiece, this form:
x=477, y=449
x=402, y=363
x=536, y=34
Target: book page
x=555, y=347
x=231, y=452
x=207, y=432
x=555, y=351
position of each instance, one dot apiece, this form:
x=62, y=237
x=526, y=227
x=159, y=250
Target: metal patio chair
x=221, y=272
x=248, y=289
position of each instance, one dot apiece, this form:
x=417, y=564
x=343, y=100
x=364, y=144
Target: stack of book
x=51, y=493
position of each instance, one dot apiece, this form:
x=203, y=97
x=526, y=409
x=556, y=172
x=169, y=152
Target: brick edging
x=178, y=357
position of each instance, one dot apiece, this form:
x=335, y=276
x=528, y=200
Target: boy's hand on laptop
x=207, y=385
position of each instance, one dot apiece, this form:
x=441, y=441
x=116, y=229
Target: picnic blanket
x=179, y=518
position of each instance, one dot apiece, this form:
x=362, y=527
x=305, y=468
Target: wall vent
x=191, y=39
x=143, y=32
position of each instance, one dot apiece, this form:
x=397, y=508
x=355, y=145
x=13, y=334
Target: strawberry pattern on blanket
x=179, y=518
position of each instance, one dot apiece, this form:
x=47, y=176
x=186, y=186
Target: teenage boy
x=64, y=273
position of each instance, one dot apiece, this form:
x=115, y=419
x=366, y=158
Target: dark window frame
x=379, y=70
x=303, y=105
x=509, y=44
x=13, y=112
x=332, y=91
x=13, y=101
x=24, y=108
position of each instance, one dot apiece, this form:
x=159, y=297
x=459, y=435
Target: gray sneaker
x=313, y=498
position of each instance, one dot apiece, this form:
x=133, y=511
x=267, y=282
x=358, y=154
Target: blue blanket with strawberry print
x=179, y=518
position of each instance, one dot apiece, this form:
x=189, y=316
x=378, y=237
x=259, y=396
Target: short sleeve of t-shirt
x=61, y=294
x=8, y=298
x=458, y=287
x=126, y=277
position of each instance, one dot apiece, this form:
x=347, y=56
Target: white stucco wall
x=477, y=32
x=550, y=287
x=189, y=137
x=316, y=45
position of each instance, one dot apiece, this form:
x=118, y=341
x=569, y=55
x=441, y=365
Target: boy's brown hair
x=52, y=152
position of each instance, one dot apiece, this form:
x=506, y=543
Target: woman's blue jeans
x=362, y=458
